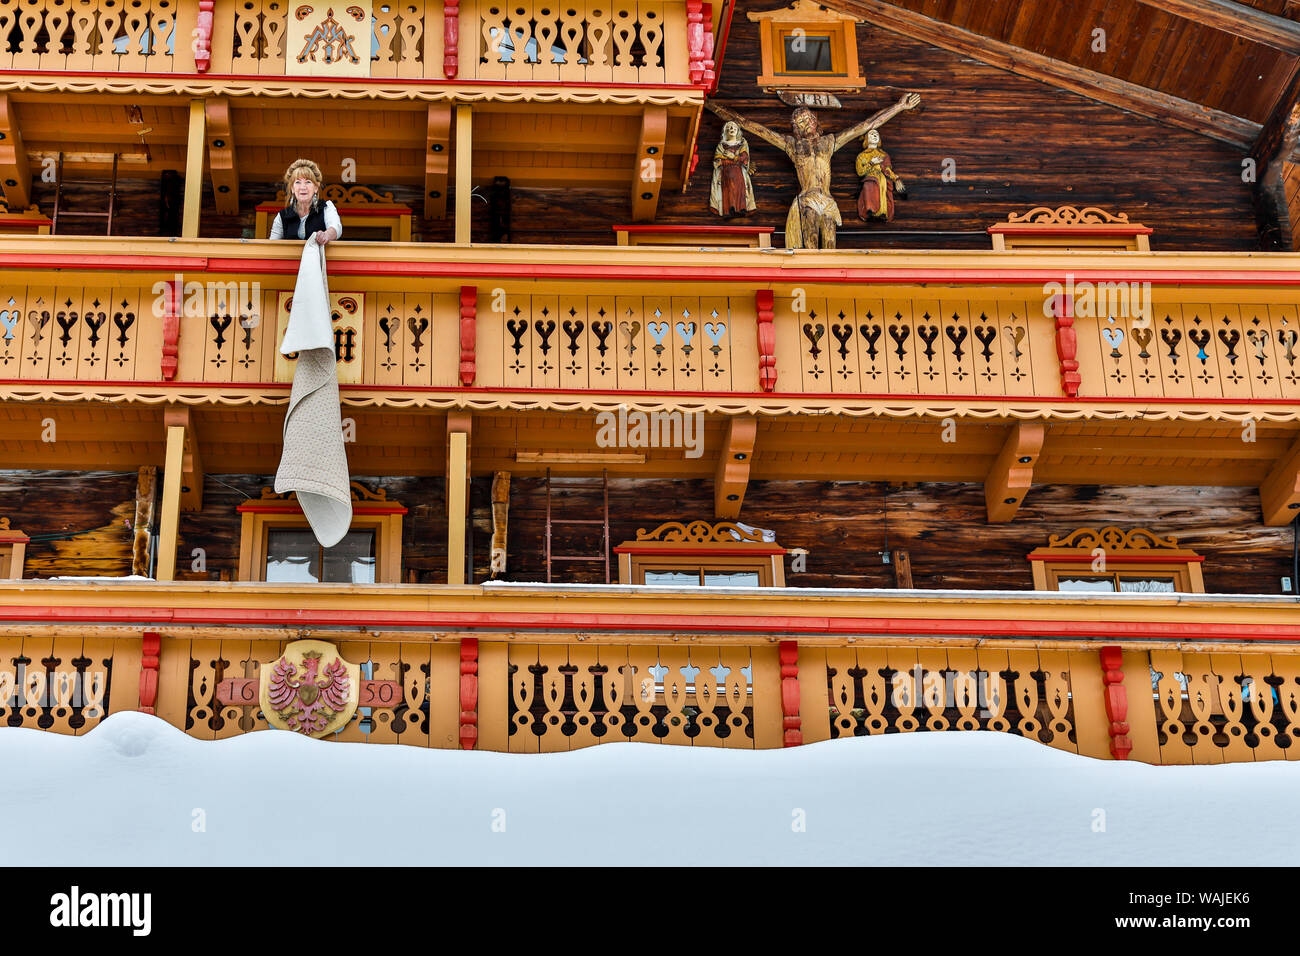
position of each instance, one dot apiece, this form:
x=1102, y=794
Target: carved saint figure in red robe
x=879, y=181
x=732, y=191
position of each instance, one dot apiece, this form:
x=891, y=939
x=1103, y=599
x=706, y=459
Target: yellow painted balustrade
x=532, y=41
x=1181, y=707
x=960, y=345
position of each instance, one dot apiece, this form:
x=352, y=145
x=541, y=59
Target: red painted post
x=150, y=650
x=1067, y=345
x=450, y=38
x=789, y=655
x=695, y=39
x=468, y=333
x=1112, y=676
x=765, y=304
x=468, y=693
x=203, y=37
x=173, y=298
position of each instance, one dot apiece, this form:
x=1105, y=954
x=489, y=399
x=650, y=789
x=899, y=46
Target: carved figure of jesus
x=814, y=213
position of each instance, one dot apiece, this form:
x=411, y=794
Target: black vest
x=315, y=221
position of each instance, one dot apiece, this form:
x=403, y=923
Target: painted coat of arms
x=321, y=44
x=310, y=690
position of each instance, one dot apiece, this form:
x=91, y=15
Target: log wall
x=844, y=526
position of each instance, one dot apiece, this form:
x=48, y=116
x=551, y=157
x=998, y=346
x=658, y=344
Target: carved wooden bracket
x=203, y=37
x=468, y=333
x=789, y=655
x=468, y=693
x=1112, y=676
x=765, y=303
x=172, y=292
x=150, y=648
x=450, y=38
x=1067, y=344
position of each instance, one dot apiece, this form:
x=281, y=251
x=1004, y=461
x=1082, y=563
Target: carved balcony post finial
x=468, y=333
x=451, y=38
x=1067, y=344
x=1112, y=676
x=765, y=304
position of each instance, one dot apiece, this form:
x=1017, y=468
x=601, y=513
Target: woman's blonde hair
x=301, y=169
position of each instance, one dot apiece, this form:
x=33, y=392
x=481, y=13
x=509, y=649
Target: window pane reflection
x=1085, y=584
x=734, y=579
x=294, y=556
x=680, y=578
x=1146, y=585
x=813, y=55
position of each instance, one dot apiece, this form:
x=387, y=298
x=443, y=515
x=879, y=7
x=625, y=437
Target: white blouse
x=332, y=221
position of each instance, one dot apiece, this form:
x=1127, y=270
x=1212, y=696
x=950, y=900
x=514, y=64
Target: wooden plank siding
x=844, y=525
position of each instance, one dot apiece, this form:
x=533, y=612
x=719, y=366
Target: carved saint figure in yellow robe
x=814, y=213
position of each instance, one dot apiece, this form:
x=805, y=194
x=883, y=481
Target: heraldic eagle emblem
x=310, y=690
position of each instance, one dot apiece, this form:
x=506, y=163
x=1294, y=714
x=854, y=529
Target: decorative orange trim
x=790, y=719
x=705, y=550
x=1112, y=677
x=466, y=269
x=468, y=693
x=387, y=212
x=688, y=230
x=1028, y=229
x=723, y=623
x=290, y=508
x=1137, y=557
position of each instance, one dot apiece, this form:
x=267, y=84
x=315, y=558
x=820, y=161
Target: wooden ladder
x=603, y=521
x=69, y=214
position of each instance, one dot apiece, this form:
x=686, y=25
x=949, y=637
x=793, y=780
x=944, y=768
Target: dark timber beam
x=1238, y=19
x=1276, y=142
x=1096, y=86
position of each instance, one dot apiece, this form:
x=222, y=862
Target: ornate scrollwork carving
x=1068, y=216
x=701, y=532
x=359, y=493
x=1112, y=538
x=349, y=195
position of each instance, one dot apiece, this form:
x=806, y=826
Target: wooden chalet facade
x=1023, y=456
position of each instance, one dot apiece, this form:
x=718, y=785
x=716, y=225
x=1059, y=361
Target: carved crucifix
x=814, y=214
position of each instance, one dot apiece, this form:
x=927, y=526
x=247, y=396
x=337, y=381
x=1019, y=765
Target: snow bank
x=137, y=791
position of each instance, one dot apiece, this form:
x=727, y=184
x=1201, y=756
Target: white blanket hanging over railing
x=313, y=462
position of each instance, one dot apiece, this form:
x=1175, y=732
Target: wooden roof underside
x=248, y=441
x=556, y=146
x=1223, y=68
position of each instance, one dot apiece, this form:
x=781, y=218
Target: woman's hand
x=322, y=236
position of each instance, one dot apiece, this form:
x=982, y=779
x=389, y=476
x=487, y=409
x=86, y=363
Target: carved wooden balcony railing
x=847, y=664
x=696, y=327
x=535, y=41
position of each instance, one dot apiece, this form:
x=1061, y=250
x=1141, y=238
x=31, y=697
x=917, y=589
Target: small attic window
x=807, y=47
x=806, y=53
